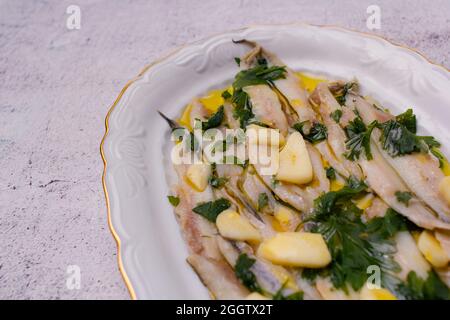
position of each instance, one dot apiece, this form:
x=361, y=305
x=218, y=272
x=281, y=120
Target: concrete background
x=56, y=86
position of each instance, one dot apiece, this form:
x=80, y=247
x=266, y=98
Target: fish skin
x=325, y=104
x=267, y=107
x=205, y=257
x=381, y=177
x=409, y=257
x=196, y=230
x=233, y=193
x=290, y=86
x=267, y=274
x=420, y=172
x=384, y=180
x=218, y=277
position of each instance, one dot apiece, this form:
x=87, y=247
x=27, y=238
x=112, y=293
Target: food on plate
x=294, y=187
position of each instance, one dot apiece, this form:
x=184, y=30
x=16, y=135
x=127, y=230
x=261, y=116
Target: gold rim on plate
x=147, y=67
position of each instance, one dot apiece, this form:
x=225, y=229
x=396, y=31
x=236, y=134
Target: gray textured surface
x=57, y=85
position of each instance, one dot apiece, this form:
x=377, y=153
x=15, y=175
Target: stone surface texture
x=58, y=84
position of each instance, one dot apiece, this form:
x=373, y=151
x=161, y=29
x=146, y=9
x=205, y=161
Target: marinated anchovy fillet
x=326, y=104
x=420, y=171
x=349, y=189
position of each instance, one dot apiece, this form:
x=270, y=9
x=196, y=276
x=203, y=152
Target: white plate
x=152, y=252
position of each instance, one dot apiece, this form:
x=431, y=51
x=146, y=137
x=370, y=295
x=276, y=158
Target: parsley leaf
x=403, y=197
x=408, y=119
x=416, y=288
x=243, y=109
x=438, y=154
x=336, y=115
x=384, y=228
x=215, y=181
x=317, y=132
x=211, y=209
x=260, y=74
x=311, y=274
x=226, y=95
x=293, y=296
x=238, y=61
x=331, y=173
x=352, y=247
x=214, y=121
x=175, y=201
x=397, y=140
x=244, y=274
x=341, y=95
x=358, y=139
x=263, y=200
x=323, y=205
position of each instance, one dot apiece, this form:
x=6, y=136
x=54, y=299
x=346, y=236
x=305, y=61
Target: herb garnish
x=403, y=197
x=175, y=201
x=336, y=115
x=243, y=109
x=318, y=132
x=416, y=288
x=263, y=200
x=341, y=95
x=214, y=121
x=226, y=95
x=214, y=180
x=438, y=154
x=352, y=247
x=408, y=119
x=293, y=296
x=238, y=61
x=244, y=274
x=358, y=139
x=211, y=209
x=260, y=74
x=386, y=227
x=398, y=136
x=331, y=173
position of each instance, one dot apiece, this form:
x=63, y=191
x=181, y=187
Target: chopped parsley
x=214, y=180
x=403, y=197
x=217, y=182
x=408, y=119
x=293, y=296
x=226, y=95
x=243, y=109
x=214, y=121
x=336, y=115
x=263, y=200
x=331, y=173
x=244, y=274
x=353, y=248
x=211, y=209
x=398, y=137
x=260, y=74
x=387, y=226
x=341, y=95
x=438, y=154
x=416, y=288
x=311, y=274
x=318, y=131
x=175, y=201
x=274, y=182
x=358, y=139
x=238, y=61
